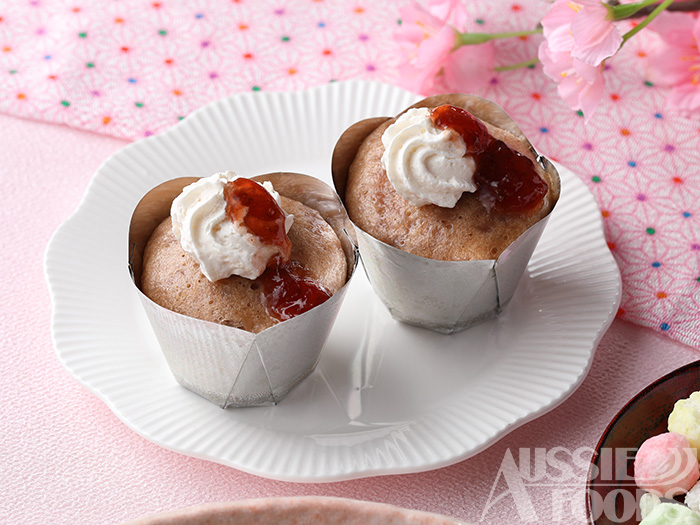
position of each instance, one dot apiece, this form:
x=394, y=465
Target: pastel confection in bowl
x=666, y=466
x=644, y=416
x=692, y=498
x=670, y=514
x=647, y=502
x=685, y=420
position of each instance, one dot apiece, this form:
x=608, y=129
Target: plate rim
x=49, y=262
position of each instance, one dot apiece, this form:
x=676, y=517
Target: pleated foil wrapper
x=444, y=296
x=226, y=365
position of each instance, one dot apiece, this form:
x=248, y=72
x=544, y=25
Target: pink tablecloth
x=65, y=458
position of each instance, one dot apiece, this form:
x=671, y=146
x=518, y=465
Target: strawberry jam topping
x=249, y=203
x=290, y=291
x=506, y=179
x=287, y=286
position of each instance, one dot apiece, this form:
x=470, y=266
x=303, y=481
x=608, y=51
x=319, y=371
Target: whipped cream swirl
x=426, y=164
x=222, y=247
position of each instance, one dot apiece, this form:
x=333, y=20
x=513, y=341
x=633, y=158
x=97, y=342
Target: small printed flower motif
x=675, y=62
x=431, y=63
x=584, y=28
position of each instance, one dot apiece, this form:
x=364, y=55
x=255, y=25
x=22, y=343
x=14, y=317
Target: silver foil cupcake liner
x=226, y=365
x=444, y=296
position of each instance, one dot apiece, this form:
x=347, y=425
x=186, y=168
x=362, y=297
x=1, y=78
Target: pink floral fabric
x=131, y=68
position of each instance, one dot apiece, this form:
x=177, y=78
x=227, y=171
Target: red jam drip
x=248, y=202
x=506, y=179
x=287, y=286
x=290, y=291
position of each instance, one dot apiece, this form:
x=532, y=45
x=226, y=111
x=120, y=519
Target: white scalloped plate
x=386, y=398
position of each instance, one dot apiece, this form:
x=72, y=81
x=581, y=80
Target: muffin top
x=473, y=228
x=172, y=278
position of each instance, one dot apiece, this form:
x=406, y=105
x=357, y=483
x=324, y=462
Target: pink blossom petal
x=426, y=42
x=415, y=14
x=557, y=25
x=459, y=18
x=590, y=97
x=545, y=56
x=587, y=72
x=449, y=11
x=667, y=66
x=676, y=63
x=685, y=98
x=578, y=37
x=411, y=13
x=441, y=9
x=696, y=33
x=419, y=70
x=595, y=37
x=675, y=28
x=438, y=86
x=407, y=78
x=561, y=40
x=569, y=90
x=409, y=34
x=469, y=68
x=413, y=79
x=432, y=52
x=555, y=65
x=560, y=14
x=579, y=94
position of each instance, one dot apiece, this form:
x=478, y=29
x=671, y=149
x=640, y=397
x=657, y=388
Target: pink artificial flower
x=468, y=69
x=676, y=63
x=431, y=63
x=581, y=85
x=579, y=36
x=584, y=28
x=451, y=11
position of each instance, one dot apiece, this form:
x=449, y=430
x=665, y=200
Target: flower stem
x=517, y=33
x=518, y=65
x=466, y=39
x=686, y=6
x=628, y=10
x=646, y=21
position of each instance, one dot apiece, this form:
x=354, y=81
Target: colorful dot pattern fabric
x=132, y=68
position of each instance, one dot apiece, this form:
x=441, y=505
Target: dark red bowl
x=611, y=494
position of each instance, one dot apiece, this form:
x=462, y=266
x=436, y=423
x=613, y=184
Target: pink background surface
x=65, y=458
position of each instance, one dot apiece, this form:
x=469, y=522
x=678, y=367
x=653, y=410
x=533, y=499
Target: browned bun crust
x=466, y=232
x=171, y=277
